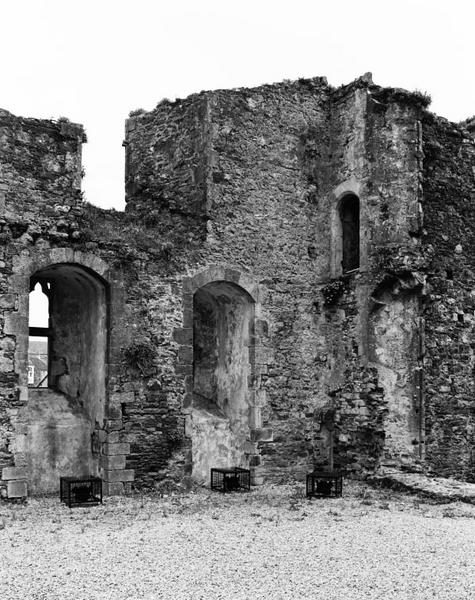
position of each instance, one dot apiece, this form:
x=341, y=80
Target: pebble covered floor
x=270, y=543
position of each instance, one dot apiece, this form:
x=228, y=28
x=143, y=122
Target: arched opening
x=223, y=331
x=350, y=232
x=70, y=330
x=38, y=335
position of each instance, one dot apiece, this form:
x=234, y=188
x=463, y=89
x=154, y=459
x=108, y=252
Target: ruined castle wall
x=166, y=202
x=449, y=224
x=255, y=217
x=45, y=222
x=264, y=204
x=41, y=162
x=40, y=174
x=390, y=296
x=244, y=187
x=263, y=200
x=372, y=391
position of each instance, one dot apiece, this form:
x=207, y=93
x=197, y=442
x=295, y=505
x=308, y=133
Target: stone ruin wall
x=373, y=327
x=275, y=166
x=242, y=186
x=449, y=305
x=45, y=222
x=252, y=200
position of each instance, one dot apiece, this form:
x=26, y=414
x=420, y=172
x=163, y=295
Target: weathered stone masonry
x=213, y=322
x=449, y=305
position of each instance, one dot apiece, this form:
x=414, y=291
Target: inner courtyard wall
x=244, y=187
x=261, y=174
x=449, y=305
x=374, y=149
x=254, y=218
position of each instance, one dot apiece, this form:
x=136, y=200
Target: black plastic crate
x=230, y=480
x=324, y=484
x=81, y=491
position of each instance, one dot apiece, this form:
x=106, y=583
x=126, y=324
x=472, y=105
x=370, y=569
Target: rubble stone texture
x=231, y=314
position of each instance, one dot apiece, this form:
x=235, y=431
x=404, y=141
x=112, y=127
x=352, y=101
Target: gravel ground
x=270, y=543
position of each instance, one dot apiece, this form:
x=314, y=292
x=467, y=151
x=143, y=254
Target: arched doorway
x=223, y=336
x=67, y=403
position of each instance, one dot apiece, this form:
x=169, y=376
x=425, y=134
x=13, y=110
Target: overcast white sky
x=94, y=61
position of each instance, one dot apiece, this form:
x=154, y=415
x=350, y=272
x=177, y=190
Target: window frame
x=45, y=332
x=349, y=206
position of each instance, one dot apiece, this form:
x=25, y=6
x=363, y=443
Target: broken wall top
x=40, y=164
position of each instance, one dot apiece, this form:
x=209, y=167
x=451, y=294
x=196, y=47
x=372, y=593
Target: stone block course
x=185, y=354
x=17, y=489
x=183, y=336
x=114, y=424
x=262, y=435
x=116, y=448
x=255, y=417
x=113, y=489
x=115, y=461
x=119, y=475
x=14, y=322
x=115, y=412
x=10, y=473
x=118, y=398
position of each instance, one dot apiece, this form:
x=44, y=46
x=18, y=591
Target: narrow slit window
x=350, y=228
x=39, y=334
